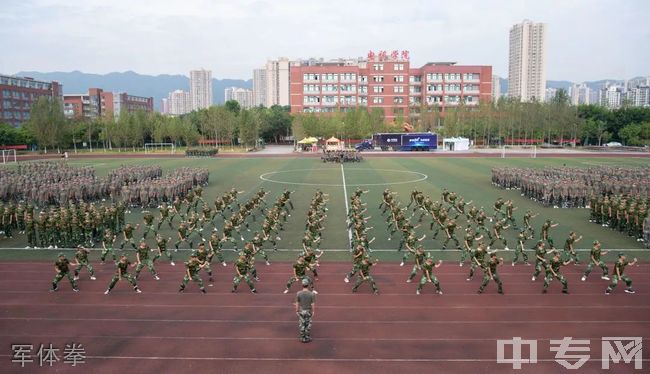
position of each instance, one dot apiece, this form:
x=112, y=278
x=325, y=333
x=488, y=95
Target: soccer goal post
x=159, y=148
x=8, y=155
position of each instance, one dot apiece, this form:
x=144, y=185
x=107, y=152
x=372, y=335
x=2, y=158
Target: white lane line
x=347, y=307
x=347, y=208
x=292, y=321
x=299, y=359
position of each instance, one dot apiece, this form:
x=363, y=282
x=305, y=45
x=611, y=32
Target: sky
x=586, y=39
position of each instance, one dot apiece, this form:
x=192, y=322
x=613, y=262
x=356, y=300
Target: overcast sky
x=586, y=39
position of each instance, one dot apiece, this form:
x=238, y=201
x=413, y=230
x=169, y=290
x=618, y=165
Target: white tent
x=456, y=144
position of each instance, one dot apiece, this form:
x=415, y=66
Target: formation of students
x=477, y=243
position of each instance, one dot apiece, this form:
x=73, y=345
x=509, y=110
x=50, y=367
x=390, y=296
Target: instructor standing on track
x=305, y=308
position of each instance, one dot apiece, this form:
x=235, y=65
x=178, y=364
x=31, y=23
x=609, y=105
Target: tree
x=233, y=106
x=248, y=122
x=47, y=122
x=636, y=134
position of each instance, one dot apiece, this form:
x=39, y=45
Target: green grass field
x=469, y=177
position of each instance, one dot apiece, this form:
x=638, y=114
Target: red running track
x=163, y=331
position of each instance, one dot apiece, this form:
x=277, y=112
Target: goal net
x=159, y=148
x=8, y=155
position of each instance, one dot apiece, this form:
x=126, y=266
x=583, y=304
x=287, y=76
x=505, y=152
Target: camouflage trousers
x=149, y=264
x=486, y=280
x=163, y=252
x=519, y=249
x=615, y=279
x=81, y=265
x=367, y=278
x=237, y=279
x=148, y=229
x=601, y=264
x=549, y=277
x=304, y=325
x=424, y=281
x=130, y=241
x=59, y=276
x=106, y=251
x=195, y=278
x=126, y=276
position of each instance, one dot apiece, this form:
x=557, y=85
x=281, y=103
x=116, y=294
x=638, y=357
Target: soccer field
x=469, y=177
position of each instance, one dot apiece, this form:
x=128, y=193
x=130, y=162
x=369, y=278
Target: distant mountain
x=158, y=86
x=594, y=85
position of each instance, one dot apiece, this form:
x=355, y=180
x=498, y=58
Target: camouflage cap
x=305, y=281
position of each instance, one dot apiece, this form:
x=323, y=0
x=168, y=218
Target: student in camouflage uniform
x=527, y=217
x=242, y=267
x=546, y=235
x=143, y=259
x=450, y=231
x=183, y=236
x=540, y=259
x=108, y=242
x=619, y=274
x=300, y=268
x=122, y=271
x=204, y=259
x=148, y=220
x=490, y=273
x=305, y=308
x=161, y=249
x=569, y=250
x=596, y=260
x=364, y=270
x=192, y=269
x=428, y=276
x=499, y=225
x=358, y=256
x=553, y=272
x=419, y=256
x=520, y=247
x=311, y=258
x=468, y=244
x=81, y=260
x=62, y=268
x=165, y=216
x=128, y=235
x=215, y=247
x=477, y=259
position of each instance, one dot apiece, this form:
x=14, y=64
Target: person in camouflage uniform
x=569, y=249
x=490, y=273
x=62, y=268
x=242, y=267
x=468, y=244
x=358, y=256
x=122, y=271
x=108, y=241
x=81, y=261
x=148, y=220
x=546, y=232
x=183, y=234
x=619, y=274
x=192, y=269
x=300, y=268
x=419, y=256
x=305, y=303
x=595, y=259
x=128, y=235
x=522, y=237
x=161, y=249
x=477, y=260
x=428, y=276
x=540, y=258
x=204, y=259
x=143, y=259
x=553, y=272
x=215, y=247
x=364, y=271
x=499, y=225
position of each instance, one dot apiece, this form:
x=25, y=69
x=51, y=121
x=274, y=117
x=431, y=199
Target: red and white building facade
x=387, y=81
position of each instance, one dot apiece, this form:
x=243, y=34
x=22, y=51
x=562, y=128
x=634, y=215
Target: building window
x=363, y=79
x=398, y=100
x=378, y=89
x=378, y=78
x=398, y=78
x=398, y=89
x=378, y=67
x=399, y=67
x=415, y=78
x=378, y=100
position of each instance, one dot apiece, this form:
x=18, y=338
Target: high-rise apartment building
x=277, y=82
x=527, y=61
x=201, y=88
x=241, y=95
x=496, y=87
x=580, y=94
x=179, y=102
x=259, y=87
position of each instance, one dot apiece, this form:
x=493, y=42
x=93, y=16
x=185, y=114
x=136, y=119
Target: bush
x=201, y=152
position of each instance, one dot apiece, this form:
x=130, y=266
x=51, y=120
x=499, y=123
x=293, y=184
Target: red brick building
x=98, y=103
x=386, y=81
x=18, y=94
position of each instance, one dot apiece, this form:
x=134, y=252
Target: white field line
x=347, y=208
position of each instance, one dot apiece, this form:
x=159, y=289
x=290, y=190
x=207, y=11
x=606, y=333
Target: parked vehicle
x=401, y=142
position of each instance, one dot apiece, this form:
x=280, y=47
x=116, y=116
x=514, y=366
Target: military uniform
x=364, y=269
x=427, y=273
x=242, y=266
x=122, y=268
x=82, y=260
x=144, y=260
x=63, y=271
x=490, y=267
x=553, y=271
x=193, y=267
x=596, y=260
